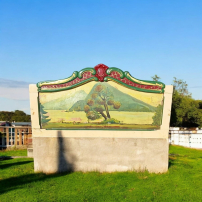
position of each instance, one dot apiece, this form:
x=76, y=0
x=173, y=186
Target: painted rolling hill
x=128, y=103
x=66, y=101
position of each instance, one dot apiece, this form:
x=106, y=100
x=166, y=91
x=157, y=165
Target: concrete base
x=30, y=152
x=60, y=154
x=14, y=147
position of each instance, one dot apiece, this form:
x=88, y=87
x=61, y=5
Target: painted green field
x=133, y=117
x=99, y=126
x=59, y=116
x=182, y=182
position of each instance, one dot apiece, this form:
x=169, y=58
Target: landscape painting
x=101, y=105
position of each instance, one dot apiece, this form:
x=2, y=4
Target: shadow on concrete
x=65, y=157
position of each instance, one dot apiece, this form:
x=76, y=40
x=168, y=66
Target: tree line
x=17, y=116
x=186, y=111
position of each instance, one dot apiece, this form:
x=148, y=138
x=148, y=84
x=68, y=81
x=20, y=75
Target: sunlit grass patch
x=182, y=182
x=14, y=152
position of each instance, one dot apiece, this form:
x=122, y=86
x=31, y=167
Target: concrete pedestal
x=60, y=154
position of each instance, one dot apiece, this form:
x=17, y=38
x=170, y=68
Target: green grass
x=15, y=152
x=182, y=182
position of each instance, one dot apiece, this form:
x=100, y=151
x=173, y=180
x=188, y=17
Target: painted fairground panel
x=101, y=98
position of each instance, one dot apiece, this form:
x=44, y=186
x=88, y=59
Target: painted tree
x=99, y=103
x=44, y=117
x=90, y=113
x=157, y=118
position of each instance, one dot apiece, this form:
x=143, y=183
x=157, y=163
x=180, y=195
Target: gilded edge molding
x=61, y=81
x=150, y=86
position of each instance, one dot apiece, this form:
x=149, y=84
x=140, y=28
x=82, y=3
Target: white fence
x=186, y=137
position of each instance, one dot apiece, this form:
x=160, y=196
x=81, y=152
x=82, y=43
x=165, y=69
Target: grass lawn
x=182, y=182
x=16, y=152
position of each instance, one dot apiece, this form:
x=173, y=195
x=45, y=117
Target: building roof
x=5, y=123
x=21, y=124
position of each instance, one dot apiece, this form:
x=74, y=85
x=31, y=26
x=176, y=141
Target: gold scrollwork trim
x=135, y=88
x=73, y=76
x=127, y=74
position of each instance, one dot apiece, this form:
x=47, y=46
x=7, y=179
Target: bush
x=111, y=121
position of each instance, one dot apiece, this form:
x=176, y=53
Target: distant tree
x=185, y=112
x=99, y=103
x=200, y=104
x=194, y=114
x=181, y=87
x=6, y=116
x=17, y=115
x=21, y=116
x=155, y=78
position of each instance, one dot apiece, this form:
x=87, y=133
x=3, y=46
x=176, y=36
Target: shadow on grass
x=65, y=165
x=172, y=159
x=170, y=163
x=4, y=166
x=25, y=180
x=3, y=158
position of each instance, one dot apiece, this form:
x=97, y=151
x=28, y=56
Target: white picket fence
x=186, y=137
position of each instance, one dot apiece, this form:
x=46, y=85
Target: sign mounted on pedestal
x=100, y=119
x=101, y=98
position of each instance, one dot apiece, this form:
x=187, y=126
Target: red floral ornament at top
x=101, y=71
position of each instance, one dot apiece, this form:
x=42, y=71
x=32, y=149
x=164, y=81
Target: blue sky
x=48, y=40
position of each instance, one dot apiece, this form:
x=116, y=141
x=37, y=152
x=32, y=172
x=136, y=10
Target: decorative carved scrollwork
x=101, y=71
